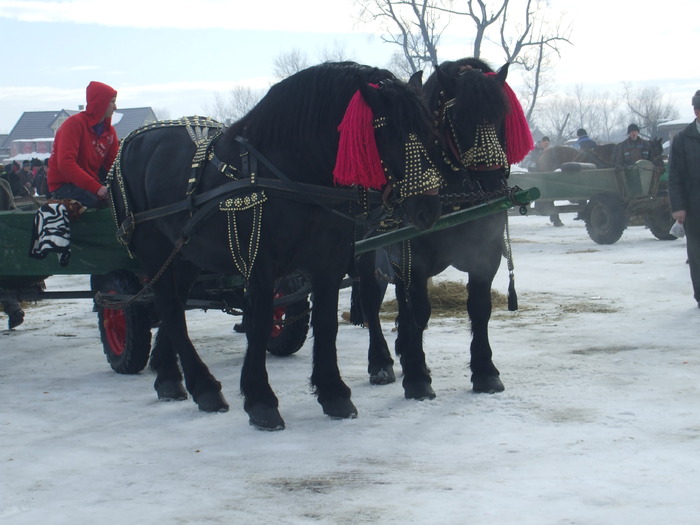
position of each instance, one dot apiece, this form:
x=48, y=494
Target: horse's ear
x=443, y=78
x=416, y=81
x=503, y=73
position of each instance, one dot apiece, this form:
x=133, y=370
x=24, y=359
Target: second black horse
x=485, y=131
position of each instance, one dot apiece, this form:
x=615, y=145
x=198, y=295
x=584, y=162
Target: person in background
x=540, y=147
x=15, y=314
x=684, y=190
x=6, y=172
x=632, y=149
x=21, y=181
x=84, y=149
x=40, y=180
x=531, y=164
x=584, y=141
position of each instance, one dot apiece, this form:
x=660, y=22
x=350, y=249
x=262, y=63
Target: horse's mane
x=307, y=103
x=304, y=110
x=477, y=96
x=468, y=87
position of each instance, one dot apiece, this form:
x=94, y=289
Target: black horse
x=471, y=106
x=290, y=217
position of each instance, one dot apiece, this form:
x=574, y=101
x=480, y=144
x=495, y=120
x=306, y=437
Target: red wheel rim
x=114, y=324
x=277, y=318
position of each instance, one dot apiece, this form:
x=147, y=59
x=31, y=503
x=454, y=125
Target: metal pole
x=446, y=221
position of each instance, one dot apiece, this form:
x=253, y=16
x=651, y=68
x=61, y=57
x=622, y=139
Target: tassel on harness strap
x=512, y=295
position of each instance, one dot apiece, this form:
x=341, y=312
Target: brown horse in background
x=602, y=156
x=554, y=157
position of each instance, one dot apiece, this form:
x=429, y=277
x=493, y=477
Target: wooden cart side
x=94, y=247
x=634, y=181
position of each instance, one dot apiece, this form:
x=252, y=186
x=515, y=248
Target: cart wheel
x=659, y=223
x=286, y=339
x=126, y=333
x=605, y=218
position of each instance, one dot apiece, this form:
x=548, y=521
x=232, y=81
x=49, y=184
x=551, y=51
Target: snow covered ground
x=599, y=423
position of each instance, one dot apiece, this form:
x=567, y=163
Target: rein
x=201, y=205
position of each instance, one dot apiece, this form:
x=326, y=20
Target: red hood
x=98, y=97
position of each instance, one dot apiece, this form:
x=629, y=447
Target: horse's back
x=554, y=157
x=155, y=165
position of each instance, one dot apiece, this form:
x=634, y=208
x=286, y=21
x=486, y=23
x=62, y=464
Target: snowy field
x=599, y=423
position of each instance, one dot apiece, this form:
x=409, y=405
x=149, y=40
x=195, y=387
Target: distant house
x=33, y=134
x=669, y=129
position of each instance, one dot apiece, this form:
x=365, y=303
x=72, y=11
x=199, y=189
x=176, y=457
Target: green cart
x=608, y=200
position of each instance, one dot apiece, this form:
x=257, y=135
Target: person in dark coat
x=632, y=149
x=530, y=161
x=584, y=141
x=684, y=190
x=21, y=181
x=40, y=180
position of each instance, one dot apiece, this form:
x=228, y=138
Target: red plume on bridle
x=518, y=137
x=358, y=162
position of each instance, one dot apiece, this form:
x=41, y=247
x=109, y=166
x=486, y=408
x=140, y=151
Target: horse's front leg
x=485, y=376
x=259, y=401
x=332, y=393
x=380, y=364
x=414, y=314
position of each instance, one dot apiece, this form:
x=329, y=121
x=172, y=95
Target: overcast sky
x=174, y=55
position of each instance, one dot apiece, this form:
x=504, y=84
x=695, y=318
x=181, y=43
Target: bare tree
x=648, y=108
x=520, y=29
x=286, y=64
x=609, y=116
x=337, y=53
x=413, y=25
x=229, y=109
x=553, y=118
x=604, y=115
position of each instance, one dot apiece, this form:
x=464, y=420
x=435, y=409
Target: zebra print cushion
x=51, y=233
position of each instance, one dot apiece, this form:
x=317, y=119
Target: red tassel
x=518, y=137
x=358, y=162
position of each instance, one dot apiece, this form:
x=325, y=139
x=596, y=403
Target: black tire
x=605, y=218
x=125, y=334
x=659, y=221
x=291, y=321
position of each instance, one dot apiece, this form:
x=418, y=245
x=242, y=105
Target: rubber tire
x=287, y=339
x=659, y=223
x=605, y=218
x=125, y=334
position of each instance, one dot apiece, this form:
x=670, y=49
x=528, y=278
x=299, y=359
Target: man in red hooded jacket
x=84, y=149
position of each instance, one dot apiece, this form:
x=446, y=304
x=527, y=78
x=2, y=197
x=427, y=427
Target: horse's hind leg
x=380, y=364
x=414, y=314
x=485, y=376
x=171, y=291
x=204, y=388
x=164, y=361
x=164, y=364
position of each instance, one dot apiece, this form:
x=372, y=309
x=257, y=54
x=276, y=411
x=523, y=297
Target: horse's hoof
x=340, y=408
x=171, y=390
x=420, y=390
x=487, y=384
x=212, y=401
x=382, y=376
x=265, y=418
